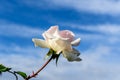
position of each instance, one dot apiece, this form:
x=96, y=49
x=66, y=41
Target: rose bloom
x=61, y=42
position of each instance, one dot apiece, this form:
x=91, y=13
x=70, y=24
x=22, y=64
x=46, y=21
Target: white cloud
x=95, y=6
x=108, y=33
x=109, y=29
x=93, y=67
x=92, y=6
x=97, y=64
x=11, y=29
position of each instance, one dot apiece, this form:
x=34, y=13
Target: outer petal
x=40, y=42
x=75, y=42
x=72, y=55
x=51, y=32
x=47, y=35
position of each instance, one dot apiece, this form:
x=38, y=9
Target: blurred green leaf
x=49, y=54
x=22, y=74
x=3, y=68
x=0, y=73
x=53, y=54
x=57, y=57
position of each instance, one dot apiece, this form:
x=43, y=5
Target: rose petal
x=67, y=34
x=72, y=56
x=53, y=45
x=60, y=42
x=47, y=36
x=75, y=51
x=64, y=44
x=59, y=45
x=75, y=42
x=52, y=29
x=51, y=32
x=40, y=42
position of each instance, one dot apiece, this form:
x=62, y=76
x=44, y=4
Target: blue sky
x=96, y=22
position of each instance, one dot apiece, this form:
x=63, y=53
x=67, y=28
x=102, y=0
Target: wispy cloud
x=92, y=6
x=100, y=59
x=95, y=59
x=16, y=30
x=108, y=33
x=93, y=66
x=95, y=6
x=109, y=29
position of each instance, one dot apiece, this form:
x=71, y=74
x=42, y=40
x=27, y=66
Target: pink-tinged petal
x=40, y=43
x=67, y=34
x=76, y=42
x=51, y=32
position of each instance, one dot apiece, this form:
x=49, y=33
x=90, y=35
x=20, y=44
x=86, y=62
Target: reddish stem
x=36, y=73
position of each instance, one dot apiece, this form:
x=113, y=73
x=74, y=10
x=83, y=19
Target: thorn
x=33, y=73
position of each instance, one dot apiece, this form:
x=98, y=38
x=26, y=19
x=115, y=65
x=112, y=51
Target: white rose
x=60, y=41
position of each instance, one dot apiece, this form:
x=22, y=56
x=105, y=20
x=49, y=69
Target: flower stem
x=13, y=74
x=36, y=73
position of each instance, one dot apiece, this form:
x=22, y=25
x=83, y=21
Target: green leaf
x=53, y=54
x=0, y=73
x=22, y=74
x=49, y=54
x=3, y=68
x=57, y=57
